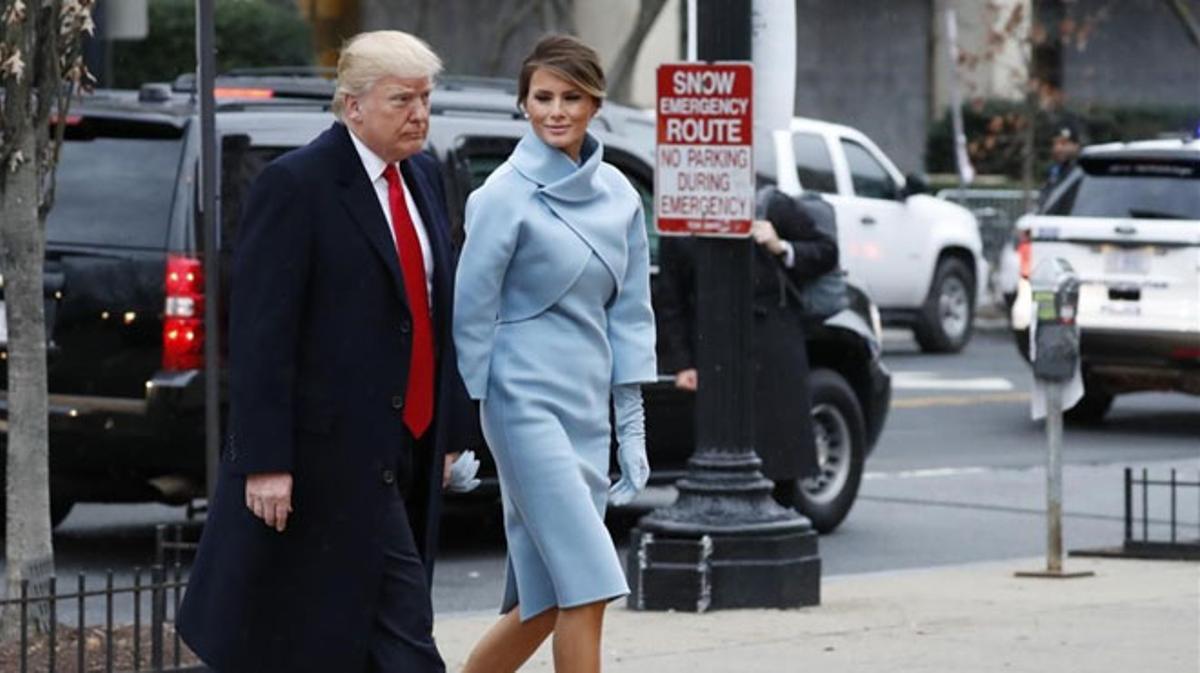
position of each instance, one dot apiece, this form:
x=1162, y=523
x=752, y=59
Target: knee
x=585, y=612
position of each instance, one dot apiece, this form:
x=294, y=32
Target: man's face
x=1064, y=150
x=392, y=118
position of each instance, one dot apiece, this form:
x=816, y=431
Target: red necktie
x=418, y=405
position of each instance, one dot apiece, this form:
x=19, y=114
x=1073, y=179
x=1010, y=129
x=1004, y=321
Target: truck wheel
x=946, y=320
x=1091, y=409
x=840, y=432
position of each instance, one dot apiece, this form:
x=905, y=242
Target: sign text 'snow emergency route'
x=704, y=177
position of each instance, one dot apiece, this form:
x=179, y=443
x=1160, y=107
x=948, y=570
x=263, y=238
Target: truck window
x=115, y=192
x=1139, y=190
x=869, y=177
x=813, y=163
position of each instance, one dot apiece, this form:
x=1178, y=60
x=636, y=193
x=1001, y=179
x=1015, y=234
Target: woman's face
x=559, y=111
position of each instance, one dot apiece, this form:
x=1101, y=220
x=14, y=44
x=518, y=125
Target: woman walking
x=552, y=317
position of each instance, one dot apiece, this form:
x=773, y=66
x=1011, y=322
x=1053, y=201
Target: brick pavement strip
x=1133, y=615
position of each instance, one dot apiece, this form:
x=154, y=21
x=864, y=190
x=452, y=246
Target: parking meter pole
x=1055, y=352
x=210, y=225
x=725, y=542
x=1054, y=411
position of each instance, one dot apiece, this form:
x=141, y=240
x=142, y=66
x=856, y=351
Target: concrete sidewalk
x=1139, y=616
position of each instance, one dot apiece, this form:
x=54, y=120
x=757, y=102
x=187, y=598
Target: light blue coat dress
x=551, y=310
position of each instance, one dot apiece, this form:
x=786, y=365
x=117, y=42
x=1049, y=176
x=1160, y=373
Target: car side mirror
x=914, y=183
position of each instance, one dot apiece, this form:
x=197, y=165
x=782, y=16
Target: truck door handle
x=1125, y=229
x=867, y=219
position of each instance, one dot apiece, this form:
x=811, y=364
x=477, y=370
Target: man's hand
x=446, y=465
x=765, y=235
x=269, y=496
x=686, y=379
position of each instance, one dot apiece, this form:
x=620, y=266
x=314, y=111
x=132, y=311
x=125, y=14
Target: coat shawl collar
x=578, y=195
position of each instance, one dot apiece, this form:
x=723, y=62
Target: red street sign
x=704, y=175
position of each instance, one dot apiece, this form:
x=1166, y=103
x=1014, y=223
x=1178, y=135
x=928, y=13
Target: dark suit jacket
x=782, y=423
x=319, y=341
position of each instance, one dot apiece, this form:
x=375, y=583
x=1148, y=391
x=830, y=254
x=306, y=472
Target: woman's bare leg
x=509, y=642
x=577, y=638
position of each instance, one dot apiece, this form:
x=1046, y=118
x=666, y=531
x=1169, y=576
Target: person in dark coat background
x=344, y=394
x=790, y=249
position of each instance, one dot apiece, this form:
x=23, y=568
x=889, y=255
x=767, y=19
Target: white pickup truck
x=1127, y=219
x=920, y=258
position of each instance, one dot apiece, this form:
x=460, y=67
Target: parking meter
x=1055, y=347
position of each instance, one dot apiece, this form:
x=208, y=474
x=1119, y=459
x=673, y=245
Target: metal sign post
x=725, y=542
x=206, y=63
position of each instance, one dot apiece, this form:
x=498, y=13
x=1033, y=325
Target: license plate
x=1129, y=261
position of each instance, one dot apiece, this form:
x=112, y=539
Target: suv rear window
x=1167, y=190
x=115, y=192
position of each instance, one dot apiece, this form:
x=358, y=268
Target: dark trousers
x=402, y=633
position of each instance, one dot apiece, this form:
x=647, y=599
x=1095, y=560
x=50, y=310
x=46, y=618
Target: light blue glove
x=631, y=444
x=462, y=473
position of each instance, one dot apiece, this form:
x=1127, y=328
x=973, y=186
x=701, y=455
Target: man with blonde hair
x=344, y=394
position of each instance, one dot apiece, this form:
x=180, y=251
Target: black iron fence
x=1143, y=539
x=997, y=211
x=59, y=633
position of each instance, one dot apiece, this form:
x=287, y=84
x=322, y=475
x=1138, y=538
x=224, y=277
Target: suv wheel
x=945, y=323
x=1091, y=409
x=840, y=432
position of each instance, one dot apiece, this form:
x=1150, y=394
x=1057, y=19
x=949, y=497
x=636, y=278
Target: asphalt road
x=957, y=477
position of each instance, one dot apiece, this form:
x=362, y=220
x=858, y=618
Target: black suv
x=125, y=283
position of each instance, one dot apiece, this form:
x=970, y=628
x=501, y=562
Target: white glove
x=631, y=444
x=462, y=473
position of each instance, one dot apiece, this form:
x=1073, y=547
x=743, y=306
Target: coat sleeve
x=630, y=316
x=816, y=253
x=491, y=238
x=270, y=276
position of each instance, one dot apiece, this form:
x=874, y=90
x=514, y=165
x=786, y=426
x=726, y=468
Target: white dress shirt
x=375, y=168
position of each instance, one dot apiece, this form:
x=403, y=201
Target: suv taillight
x=1025, y=252
x=183, y=319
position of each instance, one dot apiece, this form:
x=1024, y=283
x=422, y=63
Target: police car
x=1127, y=219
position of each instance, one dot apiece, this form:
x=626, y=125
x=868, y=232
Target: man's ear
x=353, y=109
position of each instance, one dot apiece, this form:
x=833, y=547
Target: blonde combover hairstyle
x=368, y=57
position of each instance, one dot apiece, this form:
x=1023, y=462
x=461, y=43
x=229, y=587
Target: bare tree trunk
x=1029, y=147
x=40, y=64
x=620, y=81
x=29, y=550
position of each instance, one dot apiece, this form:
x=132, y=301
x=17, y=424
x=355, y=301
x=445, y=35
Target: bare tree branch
x=566, y=15
x=516, y=17
x=1190, y=25
x=621, y=77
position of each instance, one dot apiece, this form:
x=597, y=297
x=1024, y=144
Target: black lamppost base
x=722, y=571
x=724, y=543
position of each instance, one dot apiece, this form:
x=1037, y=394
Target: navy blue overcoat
x=319, y=342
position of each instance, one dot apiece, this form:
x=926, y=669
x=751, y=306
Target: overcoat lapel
x=358, y=197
